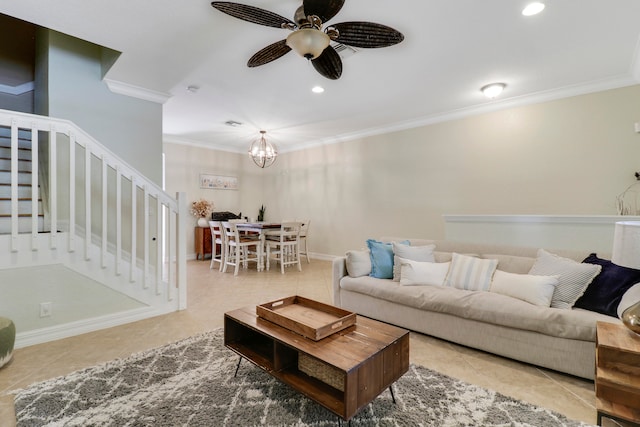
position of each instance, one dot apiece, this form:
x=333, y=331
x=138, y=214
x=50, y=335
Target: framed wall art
x=218, y=182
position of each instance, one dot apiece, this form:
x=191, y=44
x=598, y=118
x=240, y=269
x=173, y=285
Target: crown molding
x=171, y=139
x=535, y=98
x=137, y=91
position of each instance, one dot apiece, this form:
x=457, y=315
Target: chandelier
x=262, y=152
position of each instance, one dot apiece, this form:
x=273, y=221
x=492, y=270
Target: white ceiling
x=451, y=49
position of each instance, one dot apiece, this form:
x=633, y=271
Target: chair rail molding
x=574, y=232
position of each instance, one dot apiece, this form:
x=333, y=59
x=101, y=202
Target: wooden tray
x=306, y=317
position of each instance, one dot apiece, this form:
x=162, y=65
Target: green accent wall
x=69, y=83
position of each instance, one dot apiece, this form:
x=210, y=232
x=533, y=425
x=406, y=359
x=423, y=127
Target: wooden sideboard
x=202, y=241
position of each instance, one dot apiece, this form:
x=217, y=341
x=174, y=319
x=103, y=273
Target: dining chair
x=217, y=238
x=304, y=232
x=284, y=246
x=239, y=248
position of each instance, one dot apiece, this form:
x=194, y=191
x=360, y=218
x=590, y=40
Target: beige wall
x=183, y=166
x=131, y=128
x=570, y=156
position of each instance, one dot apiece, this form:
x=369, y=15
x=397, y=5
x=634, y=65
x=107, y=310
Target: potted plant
x=261, y=213
x=201, y=209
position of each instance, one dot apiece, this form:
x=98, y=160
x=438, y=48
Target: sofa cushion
x=574, y=277
x=358, y=263
x=442, y=256
x=511, y=263
x=481, y=306
x=537, y=290
x=413, y=253
x=381, y=258
x=470, y=273
x=606, y=290
x=422, y=273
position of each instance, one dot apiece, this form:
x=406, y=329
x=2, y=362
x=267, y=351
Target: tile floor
x=211, y=293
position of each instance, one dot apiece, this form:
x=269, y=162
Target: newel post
x=181, y=250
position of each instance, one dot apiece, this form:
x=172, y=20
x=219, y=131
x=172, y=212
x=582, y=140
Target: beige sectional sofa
x=554, y=338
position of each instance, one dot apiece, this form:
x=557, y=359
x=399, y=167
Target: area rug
x=192, y=383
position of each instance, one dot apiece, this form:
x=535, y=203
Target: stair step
x=23, y=165
x=24, y=190
x=24, y=207
x=22, y=133
x=24, y=224
x=24, y=144
x=20, y=199
x=22, y=215
x=23, y=153
x=23, y=177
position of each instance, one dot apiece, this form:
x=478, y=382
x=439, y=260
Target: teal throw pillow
x=382, y=258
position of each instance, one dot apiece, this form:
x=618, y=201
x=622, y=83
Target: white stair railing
x=102, y=217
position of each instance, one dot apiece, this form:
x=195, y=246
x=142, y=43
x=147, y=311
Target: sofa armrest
x=339, y=270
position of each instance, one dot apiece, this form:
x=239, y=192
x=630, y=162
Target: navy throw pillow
x=605, y=291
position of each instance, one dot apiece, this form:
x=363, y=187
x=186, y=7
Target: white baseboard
x=321, y=257
x=52, y=333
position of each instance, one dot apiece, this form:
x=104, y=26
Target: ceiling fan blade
x=367, y=34
x=328, y=63
x=323, y=9
x=252, y=14
x=269, y=53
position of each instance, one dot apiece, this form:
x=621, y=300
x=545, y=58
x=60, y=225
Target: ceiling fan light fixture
x=262, y=152
x=308, y=42
x=492, y=90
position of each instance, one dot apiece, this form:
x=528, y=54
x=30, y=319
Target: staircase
x=24, y=188
x=67, y=200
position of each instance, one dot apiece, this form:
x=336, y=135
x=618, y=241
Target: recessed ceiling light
x=533, y=9
x=232, y=123
x=493, y=89
x=193, y=88
x=317, y=89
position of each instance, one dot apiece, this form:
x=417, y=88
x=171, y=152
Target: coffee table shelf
x=369, y=356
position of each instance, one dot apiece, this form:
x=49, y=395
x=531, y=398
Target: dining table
x=261, y=228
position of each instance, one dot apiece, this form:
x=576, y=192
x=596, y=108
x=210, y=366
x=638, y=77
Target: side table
x=202, y=241
x=617, y=373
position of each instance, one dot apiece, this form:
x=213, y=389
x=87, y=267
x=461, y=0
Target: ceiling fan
x=308, y=38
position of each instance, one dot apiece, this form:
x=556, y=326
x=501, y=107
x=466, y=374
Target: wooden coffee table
x=342, y=372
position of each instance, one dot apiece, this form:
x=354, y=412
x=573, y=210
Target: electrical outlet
x=45, y=309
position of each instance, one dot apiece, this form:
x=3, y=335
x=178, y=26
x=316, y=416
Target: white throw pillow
x=536, y=290
x=574, y=277
x=414, y=253
x=358, y=263
x=472, y=274
x=422, y=273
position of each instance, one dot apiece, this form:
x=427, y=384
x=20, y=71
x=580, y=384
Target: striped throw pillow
x=573, y=277
x=470, y=273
